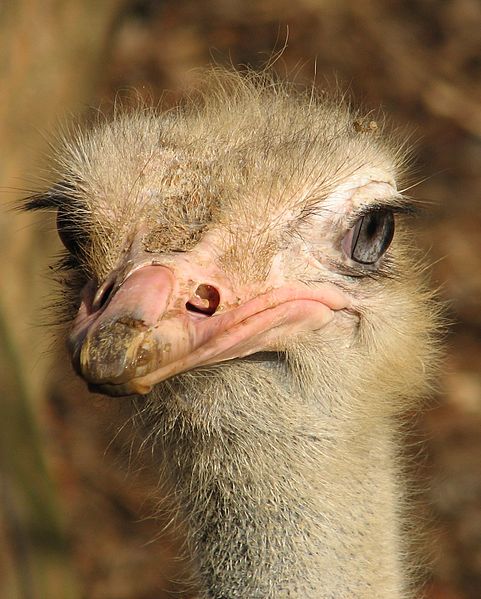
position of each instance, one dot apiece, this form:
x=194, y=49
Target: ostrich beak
x=159, y=323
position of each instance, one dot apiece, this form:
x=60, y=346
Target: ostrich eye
x=69, y=234
x=370, y=237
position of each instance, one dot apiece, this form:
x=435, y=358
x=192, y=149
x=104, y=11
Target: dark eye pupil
x=372, y=236
x=372, y=225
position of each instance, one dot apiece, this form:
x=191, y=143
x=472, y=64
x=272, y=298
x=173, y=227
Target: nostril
x=205, y=300
x=103, y=294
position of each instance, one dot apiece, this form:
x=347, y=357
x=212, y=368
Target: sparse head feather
x=243, y=146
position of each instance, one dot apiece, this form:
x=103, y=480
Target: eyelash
x=409, y=209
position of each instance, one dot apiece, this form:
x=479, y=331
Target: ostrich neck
x=283, y=498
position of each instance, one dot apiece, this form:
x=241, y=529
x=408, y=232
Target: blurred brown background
x=75, y=505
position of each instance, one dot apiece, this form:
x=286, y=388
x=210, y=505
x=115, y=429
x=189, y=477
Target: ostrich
x=233, y=266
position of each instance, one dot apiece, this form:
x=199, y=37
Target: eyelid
x=409, y=209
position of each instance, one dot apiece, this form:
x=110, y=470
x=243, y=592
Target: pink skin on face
x=150, y=328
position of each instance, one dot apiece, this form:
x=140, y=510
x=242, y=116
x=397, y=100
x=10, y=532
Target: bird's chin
x=268, y=359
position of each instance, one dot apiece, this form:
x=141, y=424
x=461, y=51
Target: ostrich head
x=254, y=224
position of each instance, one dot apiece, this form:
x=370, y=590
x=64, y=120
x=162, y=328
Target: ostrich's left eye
x=370, y=237
x=73, y=240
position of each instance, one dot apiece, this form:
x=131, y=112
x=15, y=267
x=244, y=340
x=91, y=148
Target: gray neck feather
x=283, y=493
